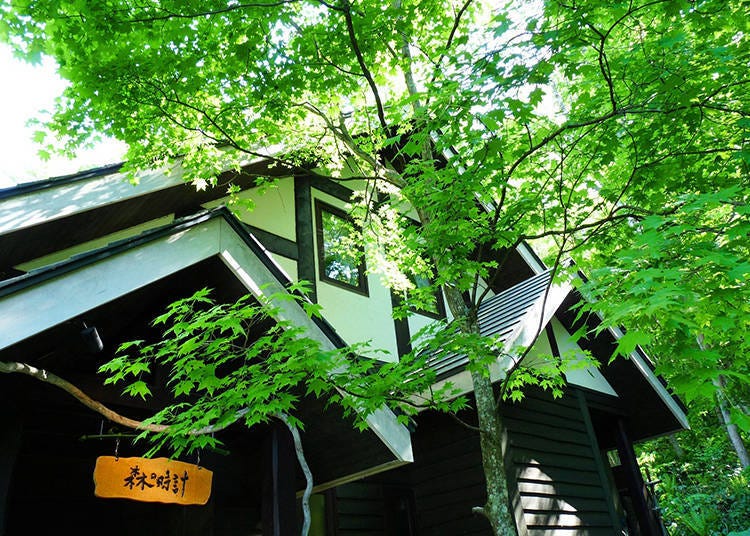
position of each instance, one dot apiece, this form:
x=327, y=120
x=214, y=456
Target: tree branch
x=168, y=15
x=341, y=133
x=48, y=377
x=411, y=84
x=305, y=470
x=557, y=132
x=347, y=11
x=53, y=379
x=449, y=42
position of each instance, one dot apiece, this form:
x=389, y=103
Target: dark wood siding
x=372, y=507
x=447, y=479
x=361, y=510
x=554, y=460
x=556, y=483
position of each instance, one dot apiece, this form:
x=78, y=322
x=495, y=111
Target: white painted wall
x=589, y=377
x=355, y=317
x=274, y=208
x=288, y=266
x=417, y=321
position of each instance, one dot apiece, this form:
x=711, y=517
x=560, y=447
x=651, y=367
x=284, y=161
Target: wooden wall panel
x=555, y=467
x=556, y=484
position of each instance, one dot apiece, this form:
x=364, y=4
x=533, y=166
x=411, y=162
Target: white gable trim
x=656, y=385
x=242, y=262
x=57, y=299
x=47, y=204
x=589, y=377
x=529, y=330
x=537, y=317
x=532, y=261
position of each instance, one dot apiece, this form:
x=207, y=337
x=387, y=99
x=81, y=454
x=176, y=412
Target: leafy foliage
x=236, y=362
x=681, y=283
x=616, y=132
x=702, y=490
x=600, y=127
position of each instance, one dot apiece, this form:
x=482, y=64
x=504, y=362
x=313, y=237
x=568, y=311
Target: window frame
x=439, y=304
x=362, y=286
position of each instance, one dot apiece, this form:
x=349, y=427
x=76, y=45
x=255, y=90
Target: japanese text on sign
x=137, y=479
x=152, y=480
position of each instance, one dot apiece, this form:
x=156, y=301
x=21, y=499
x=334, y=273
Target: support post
x=279, y=485
x=600, y=468
x=634, y=479
x=305, y=234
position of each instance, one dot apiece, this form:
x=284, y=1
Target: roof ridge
x=51, y=182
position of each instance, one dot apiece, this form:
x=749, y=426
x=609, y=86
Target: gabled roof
x=638, y=360
x=58, y=213
x=42, y=217
x=515, y=317
x=518, y=315
x=42, y=299
x=42, y=184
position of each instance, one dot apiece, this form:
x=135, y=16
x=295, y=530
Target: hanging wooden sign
x=152, y=480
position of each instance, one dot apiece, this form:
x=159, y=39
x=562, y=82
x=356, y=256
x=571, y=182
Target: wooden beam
x=332, y=188
x=600, y=466
x=401, y=329
x=305, y=231
x=275, y=243
x=634, y=479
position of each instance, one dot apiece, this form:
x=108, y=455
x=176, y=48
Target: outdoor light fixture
x=91, y=339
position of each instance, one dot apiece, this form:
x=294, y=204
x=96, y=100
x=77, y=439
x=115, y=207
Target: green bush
x=702, y=492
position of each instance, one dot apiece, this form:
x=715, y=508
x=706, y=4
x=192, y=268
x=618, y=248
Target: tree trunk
x=721, y=400
x=732, y=432
x=678, y=450
x=497, y=507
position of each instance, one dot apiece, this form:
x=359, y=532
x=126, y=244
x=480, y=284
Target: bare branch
x=556, y=133
x=305, y=470
x=171, y=15
x=48, y=377
x=451, y=36
x=342, y=133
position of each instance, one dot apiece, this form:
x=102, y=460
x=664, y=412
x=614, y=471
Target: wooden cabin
x=91, y=250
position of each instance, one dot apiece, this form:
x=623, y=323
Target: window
x=340, y=251
x=433, y=305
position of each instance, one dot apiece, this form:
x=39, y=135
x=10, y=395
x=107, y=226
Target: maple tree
x=613, y=133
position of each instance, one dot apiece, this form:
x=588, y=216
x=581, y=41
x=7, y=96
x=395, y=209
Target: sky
x=26, y=91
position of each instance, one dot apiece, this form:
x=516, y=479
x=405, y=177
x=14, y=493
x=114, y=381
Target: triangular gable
x=637, y=358
x=516, y=317
x=40, y=300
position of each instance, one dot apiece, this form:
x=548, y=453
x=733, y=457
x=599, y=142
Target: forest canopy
x=611, y=133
